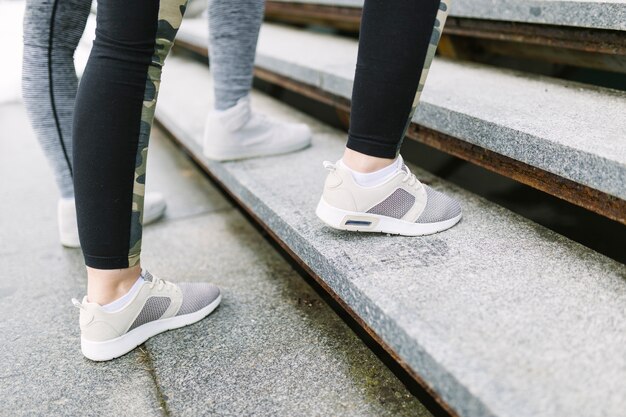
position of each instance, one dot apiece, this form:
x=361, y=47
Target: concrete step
x=272, y=348
x=597, y=14
x=577, y=34
x=573, y=133
x=496, y=317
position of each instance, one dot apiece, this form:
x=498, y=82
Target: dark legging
x=397, y=44
x=117, y=96
x=112, y=120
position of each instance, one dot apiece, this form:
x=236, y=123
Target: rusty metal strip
x=610, y=42
x=589, y=198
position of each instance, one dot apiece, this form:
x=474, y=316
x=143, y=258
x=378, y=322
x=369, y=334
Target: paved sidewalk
x=272, y=348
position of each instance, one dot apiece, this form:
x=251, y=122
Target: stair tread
x=598, y=14
x=572, y=130
x=500, y=316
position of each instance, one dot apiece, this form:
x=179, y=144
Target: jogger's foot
x=237, y=133
x=399, y=205
x=153, y=307
x=154, y=207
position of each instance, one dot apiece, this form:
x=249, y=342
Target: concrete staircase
x=590, y=14
x=563, y=138
x=496, y=317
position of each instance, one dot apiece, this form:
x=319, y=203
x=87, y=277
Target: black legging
x=117, y=96
x=397, y=44
x=112, y=120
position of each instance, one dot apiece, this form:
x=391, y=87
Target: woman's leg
x=114, y=111
x=113, y=117
x=370, y=189
x=397, y=44
x=233, y=34
x=52, y=30
x=233, y=131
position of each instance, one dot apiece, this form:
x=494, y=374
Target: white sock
x=372, y=179
x=121, y=302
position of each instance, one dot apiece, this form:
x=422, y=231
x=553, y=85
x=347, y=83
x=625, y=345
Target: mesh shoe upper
x=196, y=296
x=439, y=207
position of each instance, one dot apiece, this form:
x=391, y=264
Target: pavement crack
x=145, y=359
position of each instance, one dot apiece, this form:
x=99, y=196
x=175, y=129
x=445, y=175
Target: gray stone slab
x=586, y=13
x=273, y=348
x=187, y=191
x=42, y=372
x=501, y=317
x=572, y=130
x=272, y=329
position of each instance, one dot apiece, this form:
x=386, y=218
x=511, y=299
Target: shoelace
x=160, y=283
x=409, y=177
x=156, y=281
x=329, y=165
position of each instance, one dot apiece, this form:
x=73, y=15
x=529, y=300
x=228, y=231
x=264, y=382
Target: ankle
x=360, y=162
x=105, y=286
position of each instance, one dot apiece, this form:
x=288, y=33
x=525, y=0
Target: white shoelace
x=409, y=177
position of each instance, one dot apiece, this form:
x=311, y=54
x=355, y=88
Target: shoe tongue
x=147, y=276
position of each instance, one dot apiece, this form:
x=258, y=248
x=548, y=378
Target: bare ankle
x=105, y=286
x=364, y=163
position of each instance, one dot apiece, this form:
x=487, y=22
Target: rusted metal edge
x=584, y=196
x=320, y=281
x=611, y=42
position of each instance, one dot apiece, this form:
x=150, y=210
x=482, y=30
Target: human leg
x=371, y=189
x=113, y=118
x=233, y=131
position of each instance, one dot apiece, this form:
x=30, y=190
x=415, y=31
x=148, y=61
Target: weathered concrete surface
x=273, y=347
x=42, y=371
x=585, y=13
x=499, y=315
x=572, y=130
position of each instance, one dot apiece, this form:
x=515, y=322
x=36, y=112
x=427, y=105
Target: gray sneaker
x=401, y=205
x=158, y=306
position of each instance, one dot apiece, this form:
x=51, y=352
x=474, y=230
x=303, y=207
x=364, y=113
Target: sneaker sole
x=234, y=154
x=114, y=348
x=365, y=222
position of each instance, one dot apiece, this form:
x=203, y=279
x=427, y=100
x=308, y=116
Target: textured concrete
x=272, y=348
x=499, y=315
x=572, y=130
x=585, y=13
x=42, y=372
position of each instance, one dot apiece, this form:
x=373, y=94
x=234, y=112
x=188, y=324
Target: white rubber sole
x=235, y=153
x=114, y=348
x=374, y=223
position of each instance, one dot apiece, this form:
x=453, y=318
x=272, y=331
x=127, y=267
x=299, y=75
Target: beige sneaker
x=158, y=306
x=401, y=205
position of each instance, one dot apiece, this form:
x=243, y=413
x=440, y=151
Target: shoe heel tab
x=331, y=166
x=77, y=304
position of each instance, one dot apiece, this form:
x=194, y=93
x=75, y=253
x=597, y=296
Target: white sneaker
x=154, y=207
x=157, y=306
x=237, y=133
x=401, y=205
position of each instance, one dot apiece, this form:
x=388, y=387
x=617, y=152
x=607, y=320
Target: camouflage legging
x=397, y=44
x=52, y=30
x=113, y=116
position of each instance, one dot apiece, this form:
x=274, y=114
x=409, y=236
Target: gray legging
x=52, y=30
